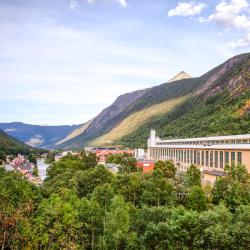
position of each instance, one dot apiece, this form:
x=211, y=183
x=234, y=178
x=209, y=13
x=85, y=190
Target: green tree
x=86, y=181
x=157, y=190
x=193, y=176
x=89, y=159
x=130, y=186
x=56, y=222
x=18, y=198
x=196, y=199
x=127, y=162
x=2, y=156
x=91, y=216
x=167, y=167
x=32, y=158
x=240, y=230
x=237, y=172
x=35, y=171
x=116, y=227
x=103, y=194
x=213, y=230
x=232, y=189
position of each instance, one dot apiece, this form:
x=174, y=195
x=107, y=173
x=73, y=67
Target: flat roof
x=204, y=147
x=213, y=138
x=214, y=172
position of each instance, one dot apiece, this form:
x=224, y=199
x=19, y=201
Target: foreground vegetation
x=84, y=206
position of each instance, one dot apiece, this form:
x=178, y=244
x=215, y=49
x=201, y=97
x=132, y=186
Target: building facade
x=210, y=154
x=103, y=153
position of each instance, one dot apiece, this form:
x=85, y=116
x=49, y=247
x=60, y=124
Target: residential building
x=103, y=153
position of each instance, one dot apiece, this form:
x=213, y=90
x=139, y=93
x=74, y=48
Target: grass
x=137, y=119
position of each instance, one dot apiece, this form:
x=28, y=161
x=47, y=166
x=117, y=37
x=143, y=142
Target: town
x=209, y=154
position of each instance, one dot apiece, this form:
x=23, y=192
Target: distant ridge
x=180, y=76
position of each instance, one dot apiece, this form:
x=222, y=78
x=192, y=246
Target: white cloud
x=230, y=14
x=73, y=4
x=10, y=130
x=187, y=9
x=123, y=3
x=233, y=14
x=35, y=141
x=240, y=43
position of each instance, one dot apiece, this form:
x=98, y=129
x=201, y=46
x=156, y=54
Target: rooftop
x=212, y=138
x=214, y=172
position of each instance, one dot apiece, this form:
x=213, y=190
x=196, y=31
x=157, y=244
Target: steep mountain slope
x=40, y=136
x=153, y=101
x=220, y=106
x=105, y=121
x=177, y=108
x=9, y=145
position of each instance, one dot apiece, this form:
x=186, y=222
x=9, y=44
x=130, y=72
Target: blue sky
x=63, y=61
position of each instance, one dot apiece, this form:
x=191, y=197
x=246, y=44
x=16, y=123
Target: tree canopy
x=83, y=205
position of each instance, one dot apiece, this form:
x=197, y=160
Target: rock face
x=180, y=76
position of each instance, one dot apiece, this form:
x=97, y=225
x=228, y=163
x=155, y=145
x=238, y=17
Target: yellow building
x=211, y=154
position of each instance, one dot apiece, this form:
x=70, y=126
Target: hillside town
x=22, y=165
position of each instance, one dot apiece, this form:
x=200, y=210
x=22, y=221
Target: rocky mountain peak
x=180, y=76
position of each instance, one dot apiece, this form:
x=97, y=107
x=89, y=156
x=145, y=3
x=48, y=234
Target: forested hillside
x=220, y=108
x=9, y=145
x=207, y=105
x=85, y=206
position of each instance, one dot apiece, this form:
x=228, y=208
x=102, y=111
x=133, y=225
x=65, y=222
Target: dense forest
x=221, y=109
x=82, y=205
x=219, y=114
x=9, y=145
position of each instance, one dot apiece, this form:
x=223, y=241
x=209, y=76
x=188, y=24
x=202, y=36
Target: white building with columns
x=210, y=154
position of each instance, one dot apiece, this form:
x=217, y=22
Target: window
x=188, y=159
x=195, y=159
x=207, y=158
x=202, y=158
x=221, y=159
x=216, y=159
x=185, y=156
x=226, y=158
x=191, y=155
x=232, y=157
x=198, y=157
x=211, y=159
x=239, y=157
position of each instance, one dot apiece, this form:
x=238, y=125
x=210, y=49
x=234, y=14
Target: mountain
x=9, y=145
x=214, y=103
x=41, y=136
x=180, y=76
x=220, y=105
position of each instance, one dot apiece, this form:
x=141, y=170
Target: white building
x=211, y=154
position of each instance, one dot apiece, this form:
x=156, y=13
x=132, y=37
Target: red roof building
x=103, y=153
x=146, y=166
